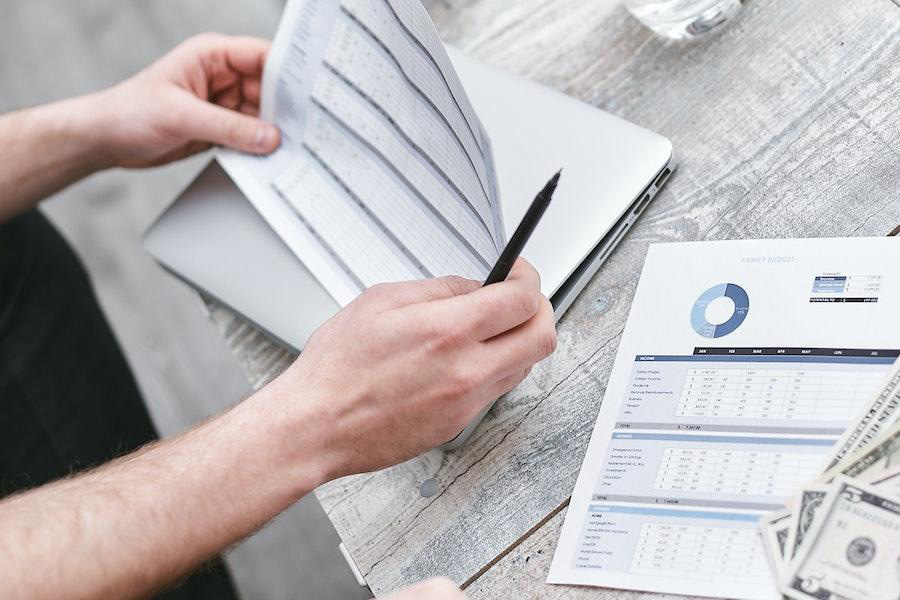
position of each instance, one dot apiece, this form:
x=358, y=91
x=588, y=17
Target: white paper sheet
x=717, y=407
x=385, y=172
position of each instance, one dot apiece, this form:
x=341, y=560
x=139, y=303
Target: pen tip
x=548, y=190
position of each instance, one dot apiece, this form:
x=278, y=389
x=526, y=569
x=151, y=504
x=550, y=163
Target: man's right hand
x=402, y=369
x=406, y=366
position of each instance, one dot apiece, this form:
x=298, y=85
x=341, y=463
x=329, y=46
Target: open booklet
x=385, y=172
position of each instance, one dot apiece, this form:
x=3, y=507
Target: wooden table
x=786, y=124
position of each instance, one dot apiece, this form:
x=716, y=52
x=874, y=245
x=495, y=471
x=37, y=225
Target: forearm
x=128, y=528
x=45, y=149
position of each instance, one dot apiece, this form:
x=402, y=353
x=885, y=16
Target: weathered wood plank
x=786, y=125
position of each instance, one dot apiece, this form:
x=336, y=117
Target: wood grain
x=786, y=124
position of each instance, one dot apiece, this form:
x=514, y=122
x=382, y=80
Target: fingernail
x=265, y=136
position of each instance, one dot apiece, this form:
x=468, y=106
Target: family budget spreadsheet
x=741, y=365
x=385, y=172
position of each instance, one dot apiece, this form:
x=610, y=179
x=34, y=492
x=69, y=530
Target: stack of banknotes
x=839, y=536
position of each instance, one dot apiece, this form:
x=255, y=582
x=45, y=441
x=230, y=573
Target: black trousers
x=68, y=400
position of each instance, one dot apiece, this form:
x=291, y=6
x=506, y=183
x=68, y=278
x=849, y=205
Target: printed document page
x=741, y=365
x=384, y=172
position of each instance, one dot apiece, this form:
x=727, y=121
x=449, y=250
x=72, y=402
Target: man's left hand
x=204, y=92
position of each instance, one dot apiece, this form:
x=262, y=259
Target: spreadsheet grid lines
x=416, y=20
x=431, y=161
x=366, y=210
x=333, y=219
x=382, y=142
x=358, y=176
x=324, y=244
x=785, y=394
x=437, y=56
x=406, y=109
x=475, y=155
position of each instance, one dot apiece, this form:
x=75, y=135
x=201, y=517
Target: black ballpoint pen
x=523, y=232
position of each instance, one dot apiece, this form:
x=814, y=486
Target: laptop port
x=662, y=177
x=642, y=204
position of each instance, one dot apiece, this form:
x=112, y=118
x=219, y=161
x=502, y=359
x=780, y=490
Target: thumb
x=209, y=122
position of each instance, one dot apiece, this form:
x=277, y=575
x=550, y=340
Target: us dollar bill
x=881, y=412
x=888, y=480
x=880, y=456
x=774, y=528
x=852, y=550
x=808, y=502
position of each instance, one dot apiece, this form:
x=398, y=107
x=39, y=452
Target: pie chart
x=733, y=292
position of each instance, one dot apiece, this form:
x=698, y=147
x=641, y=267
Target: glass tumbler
x=684, y=19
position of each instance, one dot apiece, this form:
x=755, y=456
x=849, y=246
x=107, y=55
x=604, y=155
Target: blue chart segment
x=741, y=300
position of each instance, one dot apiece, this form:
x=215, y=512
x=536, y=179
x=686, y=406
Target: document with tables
x=385, y=172
x=740, y=368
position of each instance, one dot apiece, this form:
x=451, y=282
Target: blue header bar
x=722, y=439
x=777, y=358
x=665, y=512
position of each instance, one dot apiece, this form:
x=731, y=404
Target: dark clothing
x=68, y=400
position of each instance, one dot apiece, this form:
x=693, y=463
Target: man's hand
x=438, y=588
x=206, y=91
x=402, y=369
x=406, y=366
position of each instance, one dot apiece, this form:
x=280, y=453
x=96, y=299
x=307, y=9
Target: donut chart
x=741, y=300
